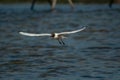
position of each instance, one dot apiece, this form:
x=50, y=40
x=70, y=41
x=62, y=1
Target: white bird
x=58, y=36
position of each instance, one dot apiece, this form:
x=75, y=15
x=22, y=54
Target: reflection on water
x=92, y=54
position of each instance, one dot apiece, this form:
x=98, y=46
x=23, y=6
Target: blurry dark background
x=63, y=1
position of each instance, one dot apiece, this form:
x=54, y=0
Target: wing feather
x=70, y=32
x=32, y=34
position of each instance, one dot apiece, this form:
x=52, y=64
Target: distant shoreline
x=45, y=1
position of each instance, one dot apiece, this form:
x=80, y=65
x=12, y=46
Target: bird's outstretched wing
x=70, y=32
x=32, y=34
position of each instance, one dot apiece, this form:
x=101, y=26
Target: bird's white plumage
x=58, y=36
x=70, y=32
x=32, y=34
x=48, y=34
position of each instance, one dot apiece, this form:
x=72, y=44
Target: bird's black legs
x=110, y=3
x=33, y=3
x=61, y=41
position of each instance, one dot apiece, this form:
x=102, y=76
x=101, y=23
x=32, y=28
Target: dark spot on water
x=89, y=76
x=100, y=47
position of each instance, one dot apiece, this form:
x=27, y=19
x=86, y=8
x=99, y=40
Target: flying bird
x=57, y=36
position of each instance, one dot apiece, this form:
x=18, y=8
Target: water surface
x=92, y=54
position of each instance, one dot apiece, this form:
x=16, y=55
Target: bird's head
x=52, y=34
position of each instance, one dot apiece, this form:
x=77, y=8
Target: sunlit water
x=93, y=54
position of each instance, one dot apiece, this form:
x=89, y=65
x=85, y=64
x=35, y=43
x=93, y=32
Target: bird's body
x=58, y=36
x=55, y=36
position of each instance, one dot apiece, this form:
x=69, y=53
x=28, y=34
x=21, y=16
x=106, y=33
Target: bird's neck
x=52, y=34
